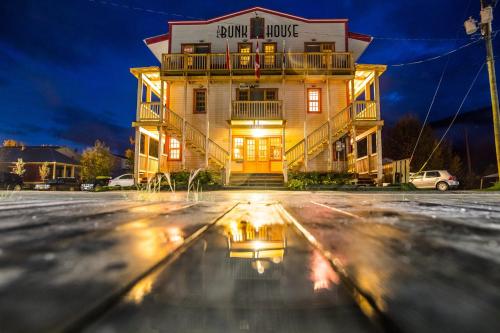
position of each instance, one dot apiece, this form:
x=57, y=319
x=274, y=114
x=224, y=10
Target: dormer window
x=257, y=28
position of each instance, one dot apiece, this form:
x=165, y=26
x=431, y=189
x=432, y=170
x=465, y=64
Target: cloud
x=84, y=128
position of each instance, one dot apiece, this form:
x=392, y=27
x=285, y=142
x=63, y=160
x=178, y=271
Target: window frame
x=320, y=109
x=195, y=91
x=167, y=149
x=270, y=58
x=279, y=147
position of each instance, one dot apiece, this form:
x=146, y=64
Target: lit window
x=174, y=149
x=275, y=148
x=244, y=59
x=269, y=55
x=250, y=150
x=200, y=101
x=263, y=150
x=238, y=149
x=314, y=100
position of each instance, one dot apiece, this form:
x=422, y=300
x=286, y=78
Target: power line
x=438, y=56
x=454, y=117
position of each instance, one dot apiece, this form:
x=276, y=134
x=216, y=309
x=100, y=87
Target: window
x=126, y=177
x=199, y=48
x=256, y=28
x=432, y=174
x=275, y=148
x=238, y=148
x=314, y=100
x=263, y=150
x=244, y=60
x=362, y=146
x=200, y=101
x=142, y=144
x=173, y=149
x=374, y=143
x=319, y=47
x=269, y=54
x=153, y=147
x=251, y=150
x=243, y=94
x=270, y=95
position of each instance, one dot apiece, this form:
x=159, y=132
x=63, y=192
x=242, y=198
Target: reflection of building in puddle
x=256, y=246
x=322, y=273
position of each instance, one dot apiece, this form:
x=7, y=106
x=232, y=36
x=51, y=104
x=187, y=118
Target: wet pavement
x=124, y=261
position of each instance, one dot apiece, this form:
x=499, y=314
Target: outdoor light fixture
x=257, y=132
x=470, y=26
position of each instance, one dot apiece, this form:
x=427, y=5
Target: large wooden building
x=259, y=91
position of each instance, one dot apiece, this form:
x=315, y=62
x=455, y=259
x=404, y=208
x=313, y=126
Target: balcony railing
x=270, y=63
x=359, y=110
x=250, y=110
x=150, y=111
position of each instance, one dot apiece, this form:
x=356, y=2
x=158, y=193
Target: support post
x=160, y=146
x=139, y=97
x=380, y=171
x=54, y=170
x=207, y=126
x=183, y=134
x=306, y=149
x=330, y=142
x=137, y=151
x=490, y=61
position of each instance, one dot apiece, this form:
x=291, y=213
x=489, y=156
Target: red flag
x=228, y=56
x=257, y=62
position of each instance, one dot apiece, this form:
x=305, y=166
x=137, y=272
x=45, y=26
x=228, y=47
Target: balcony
x=257, y=110
x=356, y=111
x=243, y=63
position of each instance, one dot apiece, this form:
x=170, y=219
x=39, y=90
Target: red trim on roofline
x=253, y=9
x=157, y=39
x=361, y=37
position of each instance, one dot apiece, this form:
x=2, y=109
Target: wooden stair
x=256, y=181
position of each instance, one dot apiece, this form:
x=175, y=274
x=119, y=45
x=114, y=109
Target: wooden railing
x=242, y=63
x=195, y=137
x=150, y=111
x=363, y=164
x=359, y=110
x=250, y=110
x=217, y=153
x=317, y=137
x=295, y=153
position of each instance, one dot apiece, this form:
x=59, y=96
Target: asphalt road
x=106, y=262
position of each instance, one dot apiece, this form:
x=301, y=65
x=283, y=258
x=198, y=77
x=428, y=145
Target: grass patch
x=495, y=187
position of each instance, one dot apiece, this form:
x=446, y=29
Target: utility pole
x=490, y=60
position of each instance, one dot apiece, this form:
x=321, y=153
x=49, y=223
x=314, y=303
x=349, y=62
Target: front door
x=256, y=155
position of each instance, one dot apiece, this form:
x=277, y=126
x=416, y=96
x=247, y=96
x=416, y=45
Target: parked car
x=441, y=180
x=59, y=184
x=95, y=184
x=125, y=180
x=10, y=181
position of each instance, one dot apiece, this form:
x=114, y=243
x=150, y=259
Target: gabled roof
x=37, y=154
x=265, y=10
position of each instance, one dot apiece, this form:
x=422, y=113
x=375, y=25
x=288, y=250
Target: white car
x=125, y=180
x=441, y=180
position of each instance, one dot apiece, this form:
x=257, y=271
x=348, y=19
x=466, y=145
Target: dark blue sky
x=64, y=65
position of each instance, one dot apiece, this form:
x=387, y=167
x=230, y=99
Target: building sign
x=257, y=30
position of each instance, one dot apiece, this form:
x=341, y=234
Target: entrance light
x=257, y=132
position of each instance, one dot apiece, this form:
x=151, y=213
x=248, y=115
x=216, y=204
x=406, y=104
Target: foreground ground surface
x=126, y=261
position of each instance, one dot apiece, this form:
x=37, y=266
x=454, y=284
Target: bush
x=495, y=187
x=205, y=178
x=301, y=180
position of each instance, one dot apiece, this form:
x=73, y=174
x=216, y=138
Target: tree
x=129, y=154
x=19, y=167
x=96, y=161
x=43, y=170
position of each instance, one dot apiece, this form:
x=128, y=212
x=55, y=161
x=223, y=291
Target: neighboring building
x=62, y=161
x=308, y=107
x=120, y=165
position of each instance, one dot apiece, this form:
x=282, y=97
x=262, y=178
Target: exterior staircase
x=256, y=181
x=176, y=125
x=341, y=123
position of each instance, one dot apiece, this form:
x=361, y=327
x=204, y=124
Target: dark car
x=10, y=181
x=96, y=184
x=60, y=184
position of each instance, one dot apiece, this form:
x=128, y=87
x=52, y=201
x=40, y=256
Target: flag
x=228, y=56
x=257, y=62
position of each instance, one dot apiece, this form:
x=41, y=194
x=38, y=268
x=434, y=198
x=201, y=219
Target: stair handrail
x=295, y=153
x=217, y=152
x=318, y=136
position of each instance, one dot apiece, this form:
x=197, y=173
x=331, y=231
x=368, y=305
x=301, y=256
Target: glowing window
x=174, y=149
x=275, y=148
x=238, y=148
x=314, y=100
x=269, y=55
x=245, y=59
x=250, y=150
x=263, y=150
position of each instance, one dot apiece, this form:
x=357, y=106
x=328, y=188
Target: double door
x=259, y=153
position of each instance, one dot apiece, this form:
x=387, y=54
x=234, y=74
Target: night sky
x=64, y=65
